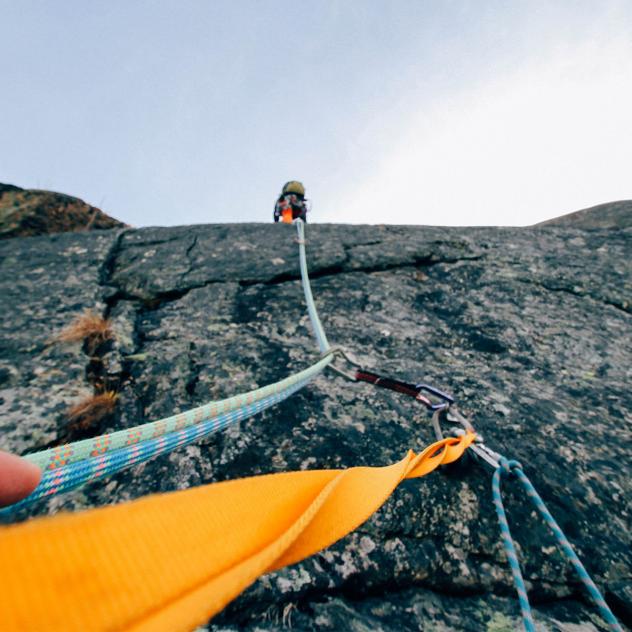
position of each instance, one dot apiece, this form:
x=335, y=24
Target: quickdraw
x=444, y=411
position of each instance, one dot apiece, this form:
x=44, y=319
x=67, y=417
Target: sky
x=470, y=112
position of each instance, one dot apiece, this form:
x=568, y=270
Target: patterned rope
x=508, y=468
x=79, y=450
x=69, y=466
x=64, y=479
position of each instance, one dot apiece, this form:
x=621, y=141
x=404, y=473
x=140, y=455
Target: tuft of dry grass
x=90, y=328
x=91, y=411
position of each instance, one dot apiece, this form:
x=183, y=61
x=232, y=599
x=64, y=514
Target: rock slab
x=529, y=329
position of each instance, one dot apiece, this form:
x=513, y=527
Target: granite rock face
x=26, y=212
x=528, y=328
x=609, y=215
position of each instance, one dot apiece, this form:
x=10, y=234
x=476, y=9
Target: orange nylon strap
x=172, y=561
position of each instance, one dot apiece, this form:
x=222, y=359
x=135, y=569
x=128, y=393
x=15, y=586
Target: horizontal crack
x=337, y=269
x=158, y=299
x=623, y=306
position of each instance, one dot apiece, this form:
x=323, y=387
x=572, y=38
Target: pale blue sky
x=452, y=112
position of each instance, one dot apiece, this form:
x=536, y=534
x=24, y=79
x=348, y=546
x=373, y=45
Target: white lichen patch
x=347, y=566
x=308, y=463
x=293, y=580
x=74, y=250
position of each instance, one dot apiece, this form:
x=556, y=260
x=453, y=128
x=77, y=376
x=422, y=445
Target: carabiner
x=338, y=350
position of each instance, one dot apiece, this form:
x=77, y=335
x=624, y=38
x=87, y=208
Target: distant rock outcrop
x=27, y=212
x=529, y=328
x=609, y=215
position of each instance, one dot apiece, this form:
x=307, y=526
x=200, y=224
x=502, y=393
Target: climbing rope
x=72, y=465
x=444, y=409
x=514, y=468
x=64, y=455
x=62, y=479
x=319, y=332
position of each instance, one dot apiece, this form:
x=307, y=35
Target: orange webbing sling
x=171, y=561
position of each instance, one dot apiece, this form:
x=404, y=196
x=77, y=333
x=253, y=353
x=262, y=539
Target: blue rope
x=508, y=468
x=76, y=474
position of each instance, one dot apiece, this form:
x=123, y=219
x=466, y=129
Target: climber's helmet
x=294, y=186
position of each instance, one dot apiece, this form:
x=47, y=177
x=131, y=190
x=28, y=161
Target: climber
x=291, y=203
